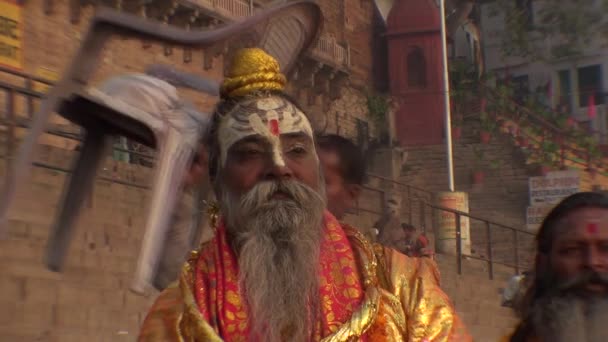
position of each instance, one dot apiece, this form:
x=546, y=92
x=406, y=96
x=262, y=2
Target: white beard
x=571, y=319
x=278, y=245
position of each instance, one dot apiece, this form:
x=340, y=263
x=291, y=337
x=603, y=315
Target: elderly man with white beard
x=567, y=300
x=281, y=267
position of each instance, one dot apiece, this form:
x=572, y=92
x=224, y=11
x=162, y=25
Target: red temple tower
x=415, y=71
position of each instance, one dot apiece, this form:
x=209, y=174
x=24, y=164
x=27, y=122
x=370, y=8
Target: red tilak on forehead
x=592, y=228
x=274, y=127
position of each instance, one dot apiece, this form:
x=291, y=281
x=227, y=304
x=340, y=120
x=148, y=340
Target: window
x=416, y=68
x=525, y=8
x=565, y=90
x=590, y=83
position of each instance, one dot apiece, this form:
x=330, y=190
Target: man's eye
x=297, y=150
x=249, y=153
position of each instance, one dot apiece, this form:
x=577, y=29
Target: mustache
x=583, y=279
x=293, y=191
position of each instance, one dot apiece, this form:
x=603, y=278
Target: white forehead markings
x=276, y=124
x=275, y=142
x=268, y=104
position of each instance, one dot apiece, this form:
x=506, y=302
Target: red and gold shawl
x=221, y=304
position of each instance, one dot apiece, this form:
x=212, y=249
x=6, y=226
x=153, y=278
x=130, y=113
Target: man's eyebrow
x=251, y=139
x=297, y=136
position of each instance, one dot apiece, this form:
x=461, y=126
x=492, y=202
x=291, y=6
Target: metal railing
x=518, y=263
x=412, y=198
x=487, y=236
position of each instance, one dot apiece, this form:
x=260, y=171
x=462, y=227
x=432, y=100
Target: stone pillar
x=445, y=223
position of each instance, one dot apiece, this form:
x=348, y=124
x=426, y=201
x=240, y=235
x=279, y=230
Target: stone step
x=476, y=297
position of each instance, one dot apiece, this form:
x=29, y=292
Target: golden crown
x=252, y=70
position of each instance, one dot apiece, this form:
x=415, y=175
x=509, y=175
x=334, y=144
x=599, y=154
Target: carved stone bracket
x=304, y=79
x=326, y=103
x=210, y=53
x=324, y=79
x=313, y=74
x=312, y=97
x=297, y=71
x=320, y=78
x=338, y=82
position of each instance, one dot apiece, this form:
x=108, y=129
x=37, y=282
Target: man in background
x=407, y=241
x=567, y=299
x=417, y=243
x=344, y=170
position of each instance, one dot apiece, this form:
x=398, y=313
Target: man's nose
x=277, y=171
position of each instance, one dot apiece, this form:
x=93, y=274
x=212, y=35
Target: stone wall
x=90, y=300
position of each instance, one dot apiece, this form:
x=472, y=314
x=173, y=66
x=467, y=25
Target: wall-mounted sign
x=11, y=34
x=535, y=215
x=554, y=187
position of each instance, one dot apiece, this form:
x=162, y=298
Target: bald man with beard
x=568, y=298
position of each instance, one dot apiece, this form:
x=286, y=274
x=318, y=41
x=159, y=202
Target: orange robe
x=368, y=293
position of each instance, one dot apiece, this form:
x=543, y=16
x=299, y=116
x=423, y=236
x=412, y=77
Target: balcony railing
x=327, y=48
x=231, y=9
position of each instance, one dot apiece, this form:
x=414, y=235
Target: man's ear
x=354, y=190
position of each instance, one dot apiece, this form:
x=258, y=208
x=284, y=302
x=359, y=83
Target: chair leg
x=75, y=192
x=173, y=159
x=20, y=170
